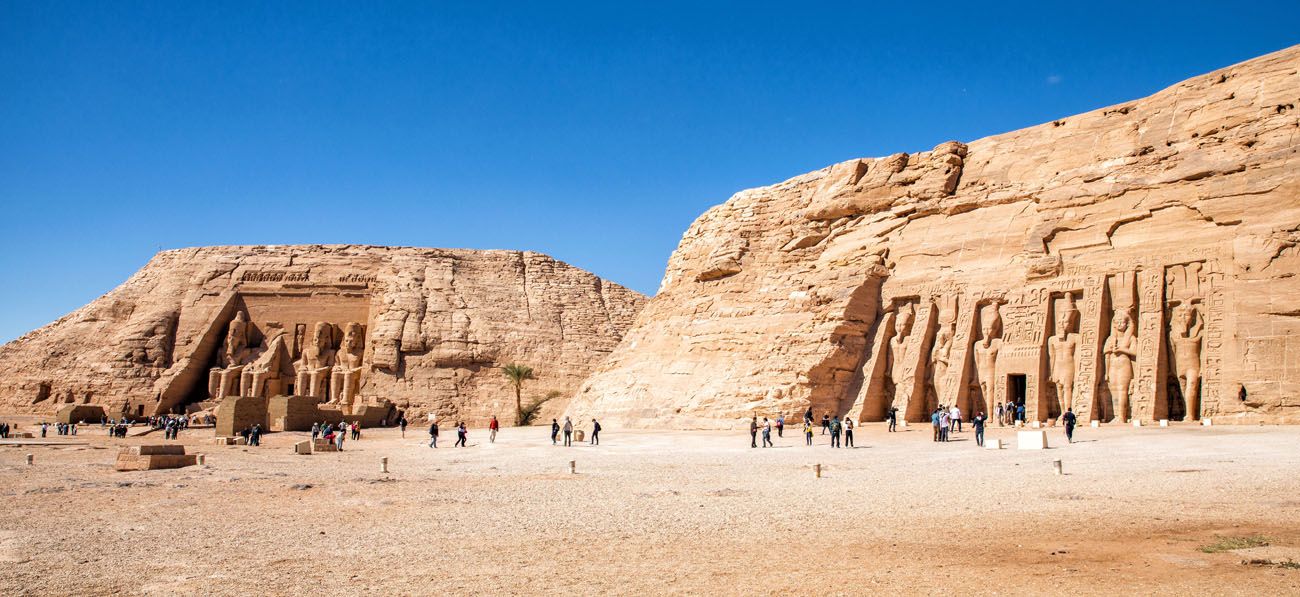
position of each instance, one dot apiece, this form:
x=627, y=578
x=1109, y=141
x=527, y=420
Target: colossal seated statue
x=345, y=381
x=224, y=379
x=265, y=368
x=313, y=369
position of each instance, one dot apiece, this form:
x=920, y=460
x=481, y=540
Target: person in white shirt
x=954, y=418
x=848, y=432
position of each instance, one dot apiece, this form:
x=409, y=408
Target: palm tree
x=518, y=374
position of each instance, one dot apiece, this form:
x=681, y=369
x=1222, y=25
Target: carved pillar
x=1213, y=392
x=1090, y=339
x=909, y=384
x=871, y=401
x=960, y=366
x=1150, y=400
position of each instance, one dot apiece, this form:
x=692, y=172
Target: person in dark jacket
x=1069, y=419
x=433, y=433
x=595, y=433
x=555, y=431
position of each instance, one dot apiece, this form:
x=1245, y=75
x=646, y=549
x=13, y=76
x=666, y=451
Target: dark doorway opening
x=1177, y=405
x=1016, y=391
x=139, y=410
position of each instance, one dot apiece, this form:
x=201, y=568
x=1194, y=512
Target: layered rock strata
x=1133, y=262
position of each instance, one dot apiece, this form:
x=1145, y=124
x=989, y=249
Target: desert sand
x=675, y=512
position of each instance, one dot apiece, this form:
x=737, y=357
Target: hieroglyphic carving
x=274, y=276
x=1212, y=351
x=1149, y=395
x=1090, y=332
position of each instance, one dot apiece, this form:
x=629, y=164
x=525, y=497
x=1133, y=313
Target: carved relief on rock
x=941, y=354
x=1120, y=350
x=1185, y=329
x=986, y=355
x=1062, y=354
x=399, y=320
x=897, y=356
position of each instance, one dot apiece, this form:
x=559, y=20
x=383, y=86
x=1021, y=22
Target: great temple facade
x=348, y=327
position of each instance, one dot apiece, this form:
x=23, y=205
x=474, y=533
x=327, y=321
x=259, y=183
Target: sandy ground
x=659, y=512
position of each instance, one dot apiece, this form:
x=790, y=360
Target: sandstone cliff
x=427, y=329
x=1137, y=261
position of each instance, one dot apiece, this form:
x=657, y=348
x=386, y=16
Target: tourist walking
x=315, y=430
x=1020, y=413
x=339, y=436
x=977, y=422
x=1069, y=419
x=401, y=423
x=44, y=428
x=999, y=412
x=595, y=433
x=848, y=432
x=808, y=416
x=826, y=424
x=461, y=435
x=808, y=431
x=493, y=426
x=892, y=416
x=568, y=432
x=954, y=414
x=356, y=430
x=944, y=421
x=835, y=432
x=934, y=424
x=780, y=425
x=555, y=431
x=767, y=433
x=433, y=433
x=753, y=432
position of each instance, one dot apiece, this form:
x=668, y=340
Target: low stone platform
x=154, y=457
x=323, y=445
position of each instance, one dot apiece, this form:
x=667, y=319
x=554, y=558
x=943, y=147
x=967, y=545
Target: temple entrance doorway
x=1176, y=405
x=1016, y=389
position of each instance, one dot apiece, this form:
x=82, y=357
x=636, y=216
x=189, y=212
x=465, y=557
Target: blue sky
x=594, y=132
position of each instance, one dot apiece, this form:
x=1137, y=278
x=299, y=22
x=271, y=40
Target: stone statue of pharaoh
x=264, y=368
x=940, y=358
x=986, y=358
x=1061, y=350
x=313, y=369
x=224, y=380
x=1185, y=327
x=898, y=348
x=1119, y=350
x=346, y=378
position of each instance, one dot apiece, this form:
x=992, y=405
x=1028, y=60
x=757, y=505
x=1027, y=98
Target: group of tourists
x=252, y=435
x=4, y=430
x=567, y=430
x=336, y=434
x=170, y=424
x=1009, y=413
x=60, y=428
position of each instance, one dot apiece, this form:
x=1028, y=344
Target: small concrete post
x=817, y=469
x=1056, y=466
x=383, y=464
x=573, y=467
x=30, y=458
x=201, y=459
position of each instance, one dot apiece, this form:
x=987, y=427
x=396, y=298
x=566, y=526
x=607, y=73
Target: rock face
x=427, y=329
x=1137, y=261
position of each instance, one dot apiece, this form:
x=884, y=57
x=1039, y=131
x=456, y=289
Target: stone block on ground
x=302, y=447
x=323, y=445
x=144, y=458
x=155, y=449
x=1031, y=440
x=992, y=444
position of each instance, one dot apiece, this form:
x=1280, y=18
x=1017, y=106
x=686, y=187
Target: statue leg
x=214, y=384
x=1192, y=395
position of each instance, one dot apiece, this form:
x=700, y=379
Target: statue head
x=1121, y=322
x=322, y=336
x=1181, y=318
x=1065, y=319
x=903, y=322
x=990, y=325
x=351, y=337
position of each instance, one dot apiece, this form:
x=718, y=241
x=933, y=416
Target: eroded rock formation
x=1135, y=261
x=426, y=329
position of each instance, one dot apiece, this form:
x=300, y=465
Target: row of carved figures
x=321, y=371
x=1119, y=351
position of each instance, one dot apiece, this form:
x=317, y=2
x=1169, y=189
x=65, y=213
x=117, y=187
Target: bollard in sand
x=573, y=467
x=29, y=459
x=817, y=469
x=1056, y=466
x=383, y=464
x=200, y=459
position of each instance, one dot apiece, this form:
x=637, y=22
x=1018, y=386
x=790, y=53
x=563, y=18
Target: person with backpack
x=780, y=425
x=555, y=431
x=892, y=416
x=433, y=433
x=595, y=433
x=461, y=435
x=1069, y=419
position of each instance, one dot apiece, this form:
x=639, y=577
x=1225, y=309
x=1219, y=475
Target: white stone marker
x=1036, y=425
x=1031, y=440
x=992, y=444
x=817, y=468
x=1096, y=424
x=200, y=459
x=30, y=458
x=1056, y=466
x=1164, y=422
x=1206, y=422
x=383, y=464
x=573, y=467
x=1137, y=422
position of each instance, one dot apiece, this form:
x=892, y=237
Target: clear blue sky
x=594, y=132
